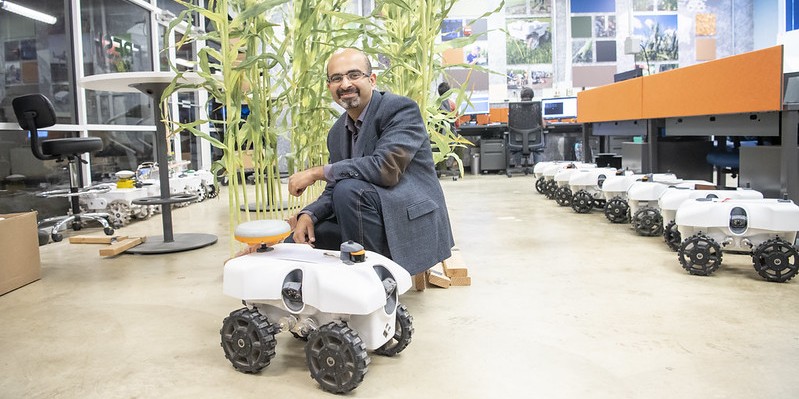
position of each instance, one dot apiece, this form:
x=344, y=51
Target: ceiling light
x=27, y=12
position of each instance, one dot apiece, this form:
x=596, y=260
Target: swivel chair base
x=76, y=223
x=75, y=220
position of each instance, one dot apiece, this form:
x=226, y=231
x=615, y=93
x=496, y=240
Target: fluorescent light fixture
x=27, y=12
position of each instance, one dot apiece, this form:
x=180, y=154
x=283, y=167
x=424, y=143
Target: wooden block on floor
x=461, y=281
x=437, y=277
x=121, y=246
x=95, y=239
x=420, y=281
x=454, y=266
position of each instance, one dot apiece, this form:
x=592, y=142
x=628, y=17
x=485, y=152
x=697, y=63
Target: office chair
x=35, y=111
x=525, y=134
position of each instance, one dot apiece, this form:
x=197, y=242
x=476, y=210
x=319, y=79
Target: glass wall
x=109, y=36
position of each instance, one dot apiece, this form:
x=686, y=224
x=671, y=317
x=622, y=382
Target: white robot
x=343, y=303
x=766, y=228
x=563, y=193
x=117, y=201
x=538, y=172
x=614, y=189
x=671, y=200
x=548, y=184
x=643, y=199
x=586, y=185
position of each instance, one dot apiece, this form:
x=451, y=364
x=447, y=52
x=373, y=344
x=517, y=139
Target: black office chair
x=35, y=111
x=525, y=135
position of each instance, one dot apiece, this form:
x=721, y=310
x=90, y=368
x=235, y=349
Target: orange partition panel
x=614, y=102
x=498, y=115
x=750, y=82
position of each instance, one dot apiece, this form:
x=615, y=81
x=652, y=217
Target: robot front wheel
x=699, y=255
x=540, y=185
x=336, y=357
x=402, y=334
x=648, y=221
x=248, y=339
x=775, y=260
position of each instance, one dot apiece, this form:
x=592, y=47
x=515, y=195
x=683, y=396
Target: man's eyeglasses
x=351, y=75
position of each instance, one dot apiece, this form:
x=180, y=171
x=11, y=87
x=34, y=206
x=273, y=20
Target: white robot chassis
x=342, y=303
x=764, y=228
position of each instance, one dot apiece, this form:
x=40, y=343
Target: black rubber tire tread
x=617, y=210
x=336, y=357
x=248, y=340
x=539, y=184
x=582, y=202
x=563, y=196
x=550, y=188
x=770, y=255
x=402, y=334
x=648, y=221
x=699, y=255
x=672, y=236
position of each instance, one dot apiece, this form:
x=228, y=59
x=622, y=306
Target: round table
x=153, y=84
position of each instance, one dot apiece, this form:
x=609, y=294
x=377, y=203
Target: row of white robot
x=695, y=219
x=130, y=186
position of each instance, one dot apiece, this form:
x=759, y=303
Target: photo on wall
x=13, y=74
x=529, y=41
x=658, y=35
x=11, y=50
x=582, y=51
x=451, y=29
x=655, y=5
x=541, y=77
x=516, y=7
x=476, y=53
x=592, y=6
x=527, y=7
x=605, y=26
x=535, y=77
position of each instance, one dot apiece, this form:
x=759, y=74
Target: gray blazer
x=393, y=153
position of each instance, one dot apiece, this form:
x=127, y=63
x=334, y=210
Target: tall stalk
x=406, y=32
x=251, y=61
x=315, y=30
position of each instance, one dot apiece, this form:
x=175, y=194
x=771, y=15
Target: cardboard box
x=19, y=244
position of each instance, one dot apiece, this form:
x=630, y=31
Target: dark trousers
x=358, y=217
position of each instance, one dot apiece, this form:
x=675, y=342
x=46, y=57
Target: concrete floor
x=562, y=305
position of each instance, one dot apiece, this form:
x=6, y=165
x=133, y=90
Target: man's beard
x=349, y=103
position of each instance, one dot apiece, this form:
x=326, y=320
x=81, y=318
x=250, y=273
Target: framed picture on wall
x=13, y=74
x=529, y=41
x=27, y=49
x=11, y=50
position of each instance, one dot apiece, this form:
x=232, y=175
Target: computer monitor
x=479, y=105
x=559, y=110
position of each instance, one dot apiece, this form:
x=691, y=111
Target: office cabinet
x=760, y=169
x=492, y=155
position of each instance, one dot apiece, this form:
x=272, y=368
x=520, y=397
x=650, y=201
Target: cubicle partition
x=741, y=95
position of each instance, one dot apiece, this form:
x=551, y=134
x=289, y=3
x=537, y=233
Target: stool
x=35, y=111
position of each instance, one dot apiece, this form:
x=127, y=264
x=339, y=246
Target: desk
x=703, y=99
x=483, y=131
x=153, y=84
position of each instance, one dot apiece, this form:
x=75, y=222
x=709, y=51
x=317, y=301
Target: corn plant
x=251, y=60
x=315, y=30
x=406, y=33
